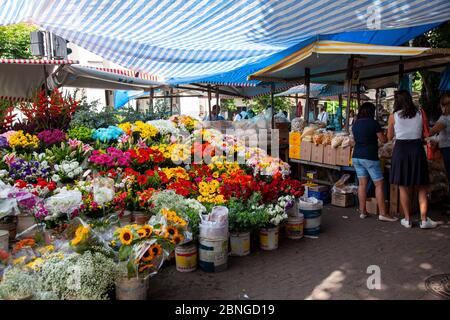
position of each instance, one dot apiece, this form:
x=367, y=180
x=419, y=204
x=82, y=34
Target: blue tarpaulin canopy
x=201, y=39
x=445, y=80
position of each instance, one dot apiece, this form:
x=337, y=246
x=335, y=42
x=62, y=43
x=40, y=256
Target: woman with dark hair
x=409, y=165
x=367, y=132
x=442, y=127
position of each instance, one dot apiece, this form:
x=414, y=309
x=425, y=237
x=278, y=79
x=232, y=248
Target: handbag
x=431, y=152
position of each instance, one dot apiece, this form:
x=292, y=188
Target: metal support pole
x=150, y=102
x=209, y=102
x=358, y=95
x=377, y=102
x=349, y=92
x=171, y=101
x=217, y=96
x=272, y=102
x=308, y=87
x=341, y=107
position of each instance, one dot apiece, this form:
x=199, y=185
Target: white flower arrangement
x=82, y=277
x=18, y=284
x=69, y=169
x=63, y=202
x=165, y=127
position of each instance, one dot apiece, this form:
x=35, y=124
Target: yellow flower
x=19, y=260
x=126, y=236
x=142, y=233
x=75, y=241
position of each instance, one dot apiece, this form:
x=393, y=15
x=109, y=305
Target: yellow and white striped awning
x=324, y=57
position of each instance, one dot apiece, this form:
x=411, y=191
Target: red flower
x=150, y=173
x=142, y=179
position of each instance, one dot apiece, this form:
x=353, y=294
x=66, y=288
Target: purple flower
x=50, y=137
x=3, y=142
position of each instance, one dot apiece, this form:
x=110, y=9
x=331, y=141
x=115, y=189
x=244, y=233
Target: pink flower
x=74, y=143
x=141, y=143
x=86, y=148
x=123, y=139
x=9, y=158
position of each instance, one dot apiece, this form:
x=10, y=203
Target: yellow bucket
x=186, y=258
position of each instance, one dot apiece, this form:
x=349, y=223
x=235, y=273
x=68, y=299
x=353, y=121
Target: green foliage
x=81, y=133
x=228, y=105
x=244, y=216
x=429, y=88
x=15, y=41
x=260, y=104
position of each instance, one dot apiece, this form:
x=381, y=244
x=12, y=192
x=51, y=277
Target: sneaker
x=406, y=223
x=363, y=216
x=386, y=218
x=428, y=224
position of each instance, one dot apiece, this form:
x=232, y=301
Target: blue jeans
x=368, y=168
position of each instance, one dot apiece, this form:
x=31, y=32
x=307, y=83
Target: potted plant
x=242, y=219
x=274, y=215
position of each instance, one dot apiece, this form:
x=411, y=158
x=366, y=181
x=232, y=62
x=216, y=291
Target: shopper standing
x=367, y=131
x=409, y=166
x=442, y=127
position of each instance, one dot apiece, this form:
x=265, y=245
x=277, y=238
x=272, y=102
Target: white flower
x=103, y=195
x=56, y=178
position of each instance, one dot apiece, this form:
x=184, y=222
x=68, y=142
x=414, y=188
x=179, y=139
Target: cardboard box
x=294, y=152
x=329, y=155
x=343, y=156
x=317, y=153
x=343, y=200
x=305, y=150
x=372, y=206
x=320, y=192
x=295, y=138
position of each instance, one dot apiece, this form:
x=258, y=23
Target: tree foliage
x=436, y=38
x=15, y=41
x=260, y=104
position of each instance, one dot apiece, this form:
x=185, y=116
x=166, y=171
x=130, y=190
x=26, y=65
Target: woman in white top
x=442, y=127
x=409, y=166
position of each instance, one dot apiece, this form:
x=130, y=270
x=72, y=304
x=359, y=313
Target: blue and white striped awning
x=198, y=38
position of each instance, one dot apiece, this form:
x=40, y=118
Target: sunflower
x=142, y=233
x=171, y=232
x=156, y=250
x=145, y=267
x=177, y=239
x=147, y=256
x=148, y=230
x=75, y=241
x=126, y=236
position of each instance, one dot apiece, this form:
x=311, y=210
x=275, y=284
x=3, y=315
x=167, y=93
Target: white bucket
x=268, y=238
x=240, y=244
x=186, y=258
x=4, y=239
x=294, y=227
x=213, y=254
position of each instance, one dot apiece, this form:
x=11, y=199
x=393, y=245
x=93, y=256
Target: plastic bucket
x=294, y=227
x=313, y=219
x=240, y=244
x=4, y=239
x=132, y=289
x=11, y=227
x=140, y=218
x=213, y=254
x=186, y=258
x=268, y=238
x=312, y=212
x=24, y=222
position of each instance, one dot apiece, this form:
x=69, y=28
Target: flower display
x=173, y=171
x=50, y=137
x=21, y=140
x=28, y=171
x=107, y=134
x=69, y=170
x=81, y=133
x=109, y=158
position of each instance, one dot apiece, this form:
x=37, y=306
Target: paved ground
x=333, y=266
